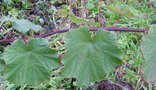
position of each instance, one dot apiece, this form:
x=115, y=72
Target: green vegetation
x=77, y=44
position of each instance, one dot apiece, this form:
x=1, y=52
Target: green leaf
x=14, y=12
x=90, y=4
x=122, y=9
x=148, y=46
x=2, y=63
x=90, y=58
x=25, y=25
x=29, y=63
x=22, y=25
x=76, y=19
x=8, y=2
x=64, y=11
x=79, y=20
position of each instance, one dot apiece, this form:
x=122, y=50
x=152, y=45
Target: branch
x=91, y=29
x=96, y=29
x=6, y=40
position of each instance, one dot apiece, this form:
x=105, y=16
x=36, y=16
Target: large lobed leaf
x=90, y=58
x=148, y=46
x=29, y=63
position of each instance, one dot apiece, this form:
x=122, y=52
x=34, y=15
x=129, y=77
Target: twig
x=57, y=31
x=8, y=35
x=116, y=22
x=120, y=86
x=137, y=84
x=6, y=40
x=64, y=21
x=83, y=10
x=96, y=29
x=52, y=33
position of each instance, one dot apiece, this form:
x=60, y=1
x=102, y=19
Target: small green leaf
x=64, y=11
x=90, y=4
x=8, y=2
x=14, y=12
x=90, y=58
x=76, y=19
x=122, y=9
x=79, y=20
x=148, y=46
x=22, y=25
x=25, y=25
x=29, y=63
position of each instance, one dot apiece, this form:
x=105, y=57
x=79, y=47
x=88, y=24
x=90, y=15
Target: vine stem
x=57, y=31
x=6, y=40
x=96, y=29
